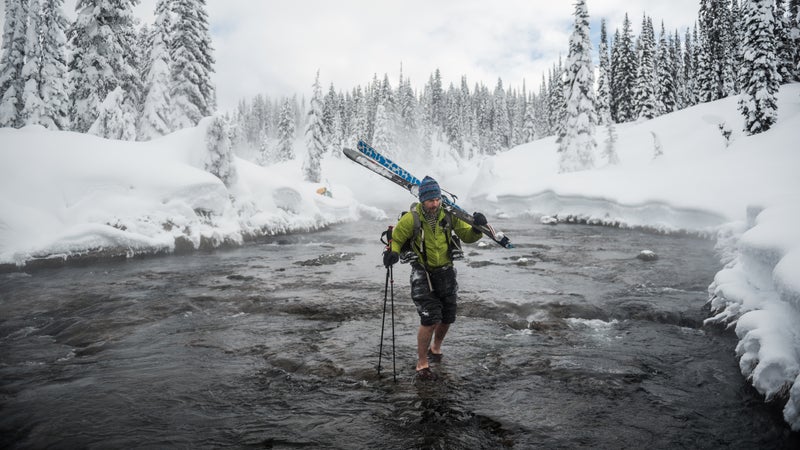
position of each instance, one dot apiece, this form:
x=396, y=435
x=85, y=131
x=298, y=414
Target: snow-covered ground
x=64, y=195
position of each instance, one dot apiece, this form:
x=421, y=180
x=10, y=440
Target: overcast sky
x=275, y=47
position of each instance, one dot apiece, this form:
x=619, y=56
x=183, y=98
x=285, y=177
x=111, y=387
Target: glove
x=479, y=220
x=390, y=258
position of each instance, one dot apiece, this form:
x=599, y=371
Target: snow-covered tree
x=103, y=59
x=383, y=138
x=529, y=122
x=115, y=119
x=623, y=67
x=286, y=132
x=315, y=135
x=46, y=99
x=577, y=148
x=759, y=73
x=48, y=87
x=12, y=61
x=645, y=83
x=714, y=47
x=501, y=136
x=794, y=36
x=193, y=94
x=220, y=159
x=603, y=102
x=156, y=117
x=665, y=75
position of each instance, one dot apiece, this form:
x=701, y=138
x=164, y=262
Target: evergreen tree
x=624, y=68
x=501, y=136
x=714, y=47
x=578, y=146
x=794, y=36
x=315, y=135
x=645, y=102
x=603, y=102
x=690, y=96
x=665, y=76
x=113, y=119
x=220, y=158
x=46, y=100
x=102, y=42
x=359, y=121
x=12, y=61
x=453, y=122
x=556, y=102
x=529, y=121
x=783, y=43
x=541, y=106
x=383, y=139
x=156, y=117
x=286, y=132
x=192, y=92
x=760, y=75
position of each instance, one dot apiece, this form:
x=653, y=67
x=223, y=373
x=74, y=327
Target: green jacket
x=435, y=239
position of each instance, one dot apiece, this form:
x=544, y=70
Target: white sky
x=276, y=47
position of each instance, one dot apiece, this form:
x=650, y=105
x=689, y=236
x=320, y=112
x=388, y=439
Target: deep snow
x=65, y=194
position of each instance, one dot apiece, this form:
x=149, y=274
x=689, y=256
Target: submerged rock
x=647, y=255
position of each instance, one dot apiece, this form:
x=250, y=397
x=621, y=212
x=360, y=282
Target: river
x=565, y=341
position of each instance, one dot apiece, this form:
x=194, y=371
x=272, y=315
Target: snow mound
x=67, y=195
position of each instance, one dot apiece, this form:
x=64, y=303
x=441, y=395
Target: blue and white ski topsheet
x=390, y=170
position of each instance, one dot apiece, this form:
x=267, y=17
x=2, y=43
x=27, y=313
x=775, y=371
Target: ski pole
x=394, y=365
x=383, y=321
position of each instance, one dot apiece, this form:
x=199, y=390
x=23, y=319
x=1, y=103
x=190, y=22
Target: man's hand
x=390, y=258
x=478, y=220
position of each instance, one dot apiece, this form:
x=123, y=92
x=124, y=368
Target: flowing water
x=566, y=341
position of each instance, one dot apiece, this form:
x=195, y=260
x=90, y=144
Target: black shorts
x=435, y=294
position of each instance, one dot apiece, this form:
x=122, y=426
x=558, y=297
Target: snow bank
x=758, y=292
x=65, y=195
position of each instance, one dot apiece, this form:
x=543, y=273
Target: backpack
x=407, y=253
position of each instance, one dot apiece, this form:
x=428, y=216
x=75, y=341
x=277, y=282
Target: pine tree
x=220, y=160
x=46, y=100
x=529, y=121
x=501, y=133
x=113, y=119
x=286, y=132
x=102, y=39
x=156, y=117
x=665, y=76
x=690, y=52
x=12, y=61
x=383, y=137
x=624, y=68
x=794, y=36
x=760, y=74
x=714, y=47
x=359, y=121
x=645, y=83
x=783, y=43
x=315, y=135
x=578, y=146
x=192, y=92
x=603, y=102
x=556, y=102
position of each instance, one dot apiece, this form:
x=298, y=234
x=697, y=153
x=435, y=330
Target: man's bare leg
x=424, y=336
x=438, y=337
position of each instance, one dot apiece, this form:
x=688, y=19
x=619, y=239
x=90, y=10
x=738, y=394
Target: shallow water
x=565, y=341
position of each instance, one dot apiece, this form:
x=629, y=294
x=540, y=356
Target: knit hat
x=429, y=189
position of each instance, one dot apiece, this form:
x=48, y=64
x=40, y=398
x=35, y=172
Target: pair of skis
x=385, y=167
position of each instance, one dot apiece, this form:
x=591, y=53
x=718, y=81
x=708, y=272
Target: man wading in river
x=429, y=230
